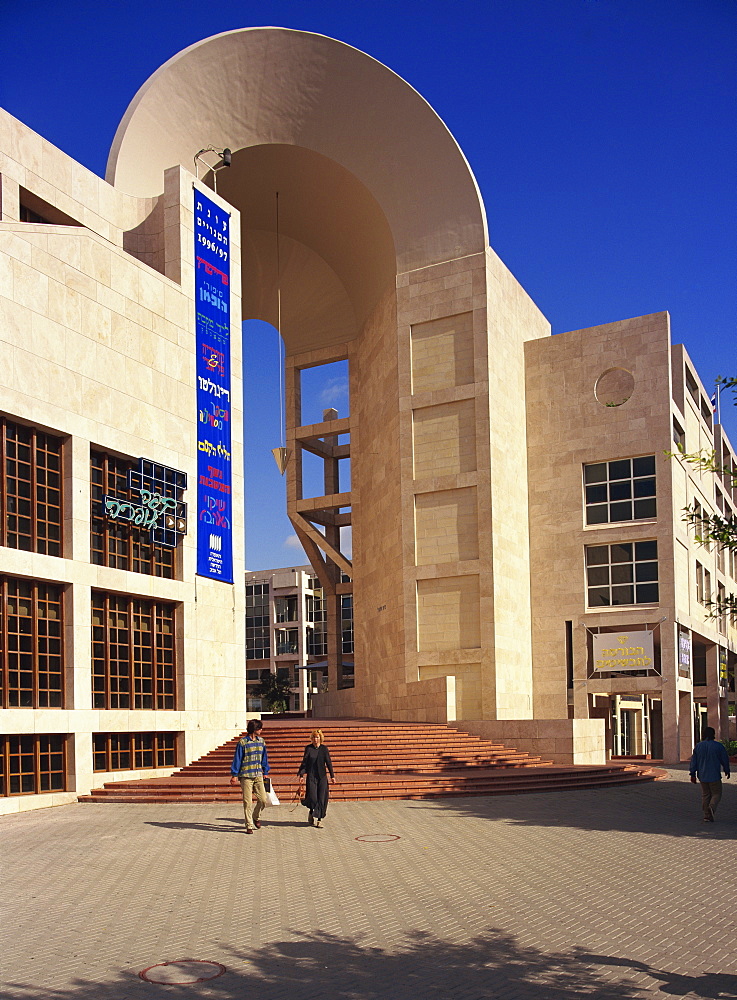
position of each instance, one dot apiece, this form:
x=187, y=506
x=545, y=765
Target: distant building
x=286, y=634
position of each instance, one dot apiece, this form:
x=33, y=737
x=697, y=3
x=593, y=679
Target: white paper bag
x=271, y=797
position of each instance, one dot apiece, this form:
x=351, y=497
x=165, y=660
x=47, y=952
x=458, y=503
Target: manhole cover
x=182, y=972
x=378, y=838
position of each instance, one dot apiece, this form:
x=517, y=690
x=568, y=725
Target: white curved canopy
x=373, y=184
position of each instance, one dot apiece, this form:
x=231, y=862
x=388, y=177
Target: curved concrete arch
x=263, y=86
x=336, y=249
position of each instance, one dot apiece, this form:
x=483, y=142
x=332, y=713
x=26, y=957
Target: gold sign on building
x=623, y=650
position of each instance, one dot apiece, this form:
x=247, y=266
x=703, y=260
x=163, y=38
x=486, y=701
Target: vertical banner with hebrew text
x=212, y=311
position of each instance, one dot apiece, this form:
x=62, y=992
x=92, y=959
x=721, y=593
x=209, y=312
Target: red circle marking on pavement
x=183, y=972
x=378, y=838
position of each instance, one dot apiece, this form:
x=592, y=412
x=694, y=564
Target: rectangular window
x=693, y=389
x=133, y=653
x=706, y=412
x=258, y=643
x=286, y=609
x=623, y=573
x=287, y=641
x=30, y=489
x=317, y=616
x=133, y=751
x=699, y=582
x=119, y=544
x=346, y=623
x=623, y=490
x=679, y=435
x=721, y=598
x=31, y=644
x=32, y=765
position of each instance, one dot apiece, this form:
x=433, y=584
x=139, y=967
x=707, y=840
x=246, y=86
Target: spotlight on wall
x=226, y=156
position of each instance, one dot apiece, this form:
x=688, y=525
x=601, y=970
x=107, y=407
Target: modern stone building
x=470, y=435
x=605, y=409
x=287, y=634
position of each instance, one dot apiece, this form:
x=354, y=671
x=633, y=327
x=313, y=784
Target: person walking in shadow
x=708, y=760
x=315, y=763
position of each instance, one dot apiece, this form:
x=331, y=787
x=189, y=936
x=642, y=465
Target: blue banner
x=212, y=310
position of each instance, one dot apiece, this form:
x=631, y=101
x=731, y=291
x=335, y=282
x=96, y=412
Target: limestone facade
x=479, y=574
x=97, y=329
x=598, y=399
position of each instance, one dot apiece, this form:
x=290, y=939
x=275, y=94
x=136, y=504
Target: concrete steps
x=378, y=761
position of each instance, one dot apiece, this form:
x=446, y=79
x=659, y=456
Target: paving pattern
x=608, y=893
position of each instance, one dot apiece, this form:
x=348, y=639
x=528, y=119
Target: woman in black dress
x=314, y=764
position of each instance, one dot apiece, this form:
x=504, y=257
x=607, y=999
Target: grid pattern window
x=33, y=764
x=258, y=643
x=31, y=644
x=133, y=751
x=623, y=573
x=30, y=489
x=115, y=543
x=317, y=616
x=346, y=623
x=623, y=490
x=133, y=653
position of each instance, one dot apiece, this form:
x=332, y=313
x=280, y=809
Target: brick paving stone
x=612, y=893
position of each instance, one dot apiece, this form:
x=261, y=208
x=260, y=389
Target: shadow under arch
x=336, y=255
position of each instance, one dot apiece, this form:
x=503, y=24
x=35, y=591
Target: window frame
x=162, y=684
x=41, y=442
x=37, y=640
x=589, y=486
x=37, y=772
x=121, y=545
x=258, y=621
x=134, y=739
x=633, y=582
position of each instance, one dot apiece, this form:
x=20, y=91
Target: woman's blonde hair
x=317, y=732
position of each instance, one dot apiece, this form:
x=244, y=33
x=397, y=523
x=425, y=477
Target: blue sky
x=602, y=133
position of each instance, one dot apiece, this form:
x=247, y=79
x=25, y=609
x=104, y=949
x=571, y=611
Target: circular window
x=614, y=387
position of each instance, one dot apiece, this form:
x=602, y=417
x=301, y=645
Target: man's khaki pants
x=251, y=787
x=711, y=794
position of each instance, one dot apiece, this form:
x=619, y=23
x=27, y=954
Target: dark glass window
x=623, y=490
x=258, y=644
x=133, y=751
x=31, y=644
x=133, y=653
x=32, y=764
x=346, y=623
x=117, y=544
x=623, y=573
x=317, y=617
x=30, y=489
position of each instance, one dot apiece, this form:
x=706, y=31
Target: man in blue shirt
x=708, y=760
x=250, y=764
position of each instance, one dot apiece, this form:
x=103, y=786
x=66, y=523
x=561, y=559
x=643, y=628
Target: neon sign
x=155, y=503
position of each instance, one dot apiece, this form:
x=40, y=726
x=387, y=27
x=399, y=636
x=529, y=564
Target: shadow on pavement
x=493, y=965
x=669, y=808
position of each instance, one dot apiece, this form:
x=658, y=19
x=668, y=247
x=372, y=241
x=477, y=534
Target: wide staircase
x=377, y=760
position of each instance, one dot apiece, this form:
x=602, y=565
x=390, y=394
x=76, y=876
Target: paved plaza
x=610, y=893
